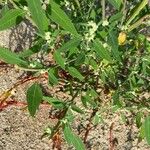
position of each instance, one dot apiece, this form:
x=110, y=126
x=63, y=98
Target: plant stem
x=137, y=11
x=138, y=23
x=78, y=4
x=30, y=69
x=103, y=10
x=124, y=12
x=13, y=3
x=64, y=112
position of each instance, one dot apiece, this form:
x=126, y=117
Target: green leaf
x=75, y=73
x=93, y=63
x=51, y=77
x=28, y=52
x=59, y=16
x=115, y=3
x=137, y=8
x=147, y=129
x=38, y=15
x=10, y=57
x=93, y=93
x=113, y=41
x=34, y=97
x=80, y=59
x=77, y=109
x=72, y=138
x=101, y=51
x=116, y=17
x=84, y=101
x=142, y=132
x=73, y=43
x=67, y=133
x=116, y=100
x=54, y=102
x=138, y=119
x=77, y=142
x=11, y=18
x=4, y=10
x=87, y=99
x=59, y=59
x=96, y=119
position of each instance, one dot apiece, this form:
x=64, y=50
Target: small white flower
x=48, y=130
x=105, y=23
x=96, y=73
x=93, y=25
x=64, y=121
x=6, y=2
x=92, y=29
x=25, y=8
x=47, y=36
x=67, y=3
x=124, y=28
x=105, y=45
x=38, y=60
x=32, y=65
x=43, y=71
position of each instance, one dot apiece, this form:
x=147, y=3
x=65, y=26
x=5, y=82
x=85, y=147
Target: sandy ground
x=18, y=131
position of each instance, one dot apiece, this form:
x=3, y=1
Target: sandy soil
x=18, y=131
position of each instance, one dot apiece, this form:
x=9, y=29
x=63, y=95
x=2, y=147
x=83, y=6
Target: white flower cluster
x=105, y=23
x=124, y=28
x=67, y=5
x=25, y=8
x=48, y=37
x=44, y=3
x=92, y=29
x=49, y=40
x=32, y=65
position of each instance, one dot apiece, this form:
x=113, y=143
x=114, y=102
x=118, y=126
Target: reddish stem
x=111, y=138
x=88, y=127
x=16, y=103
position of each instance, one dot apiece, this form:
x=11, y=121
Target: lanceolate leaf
x=80, y=59
x=67, y=133
x=113, y=41
x=101, y=51
x=4, y=10
x=51, y=77
x=70, y=44
x=77, y=109
x=58, y=16
x=147, y=129
x=141, y=5
x=55, y=102
x=59, y=59
x=75, y=73
x=34, y=97
x=115, y=3
x=10, y=57
x=116, y=17
x=10, y=18
x=38, y=15
x=72, y=138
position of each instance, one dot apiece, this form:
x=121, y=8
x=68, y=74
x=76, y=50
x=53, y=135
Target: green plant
x=92, y=50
